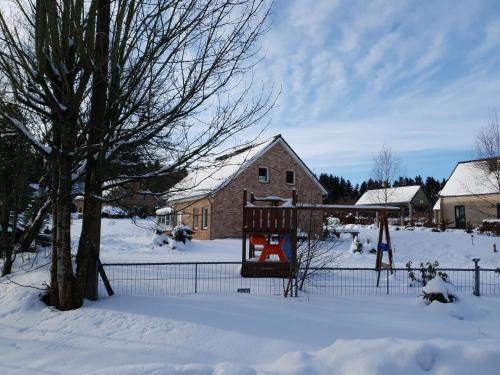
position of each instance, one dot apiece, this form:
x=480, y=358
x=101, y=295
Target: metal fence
x=154, y=279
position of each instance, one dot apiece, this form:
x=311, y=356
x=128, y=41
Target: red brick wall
x=147, y=202
x=227, y=208
x=188, y=219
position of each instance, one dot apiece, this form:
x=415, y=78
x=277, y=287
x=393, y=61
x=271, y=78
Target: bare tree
x=488, y=151
x=485, y=177
x=314, y=253
x=166, y=80
x=19, y=166
x=386, y=167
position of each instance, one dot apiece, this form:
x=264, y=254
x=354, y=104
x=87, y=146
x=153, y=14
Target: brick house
x=210, y=200
x=133, y=198
x=137, y=200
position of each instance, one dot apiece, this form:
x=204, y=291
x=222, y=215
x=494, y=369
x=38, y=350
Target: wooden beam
x=342, y=207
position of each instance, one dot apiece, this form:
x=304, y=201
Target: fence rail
x=154, y=279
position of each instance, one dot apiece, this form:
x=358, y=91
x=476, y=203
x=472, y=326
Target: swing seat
x=269, y=249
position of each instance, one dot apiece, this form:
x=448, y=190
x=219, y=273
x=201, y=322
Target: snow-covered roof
x=470, y=178
x=113, y=210
x=218, y=173
x=403, y=194
x=164, y=211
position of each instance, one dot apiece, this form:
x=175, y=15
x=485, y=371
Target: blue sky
x=420, y=77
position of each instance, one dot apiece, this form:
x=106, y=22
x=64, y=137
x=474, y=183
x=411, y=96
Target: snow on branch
x=47, y=150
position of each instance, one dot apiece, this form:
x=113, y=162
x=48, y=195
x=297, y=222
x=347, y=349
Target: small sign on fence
x=243, y=290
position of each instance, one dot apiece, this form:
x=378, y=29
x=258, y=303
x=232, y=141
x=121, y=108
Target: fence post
x=296, y=280
x=387, y=280
x=196, y=278
x=477, y=291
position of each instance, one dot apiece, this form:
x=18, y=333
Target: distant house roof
x=470, y=178
x=403, y=194
x=205, y=181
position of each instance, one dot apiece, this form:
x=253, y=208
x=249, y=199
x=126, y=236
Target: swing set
x=270, y=226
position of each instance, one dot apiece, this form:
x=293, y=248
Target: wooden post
x=104, y=278
x=388, y=239
x=294, y=265
x=243, y=234
x=402, y=213
x=378, y=259
x=410, y=207
x=381, y=246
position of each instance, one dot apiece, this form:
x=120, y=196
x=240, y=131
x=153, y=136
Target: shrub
x=439, y=290
x=356, y=245
x=182, y=233
x=468, y=227
x=349, y=219
x=160, y=239
x=428, y=271
x=443, y=224
x=490, y=227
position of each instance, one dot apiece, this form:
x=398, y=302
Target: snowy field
x=248, y=334
x=125, y=241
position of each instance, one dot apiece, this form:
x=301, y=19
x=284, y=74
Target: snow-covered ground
x=127, y=241
x=247, y=334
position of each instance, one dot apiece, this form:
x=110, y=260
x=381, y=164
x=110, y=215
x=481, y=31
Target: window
x=498, y=210
x=263, y=174
x=142, y=196
x=179, y=218
x=195, y=218
x=290, y=177
x=164, y=221
x=204, y=218
x=460, y=221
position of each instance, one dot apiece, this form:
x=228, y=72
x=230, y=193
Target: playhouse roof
x=403, y=194
x=217, y=173
x=470, y=178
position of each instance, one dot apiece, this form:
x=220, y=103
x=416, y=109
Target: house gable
x=227, y=206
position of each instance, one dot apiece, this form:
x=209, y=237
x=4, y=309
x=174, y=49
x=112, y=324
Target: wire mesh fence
x=155, y=279
x=186, y=278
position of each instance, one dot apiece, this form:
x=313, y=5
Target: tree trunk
x=88, y=249
x=54, y=290
x=65, y=278
x=90, y=238
x=6, y=245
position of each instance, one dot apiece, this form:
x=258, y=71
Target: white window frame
x=267, y=175
x=286, y=177
x=165, y=222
